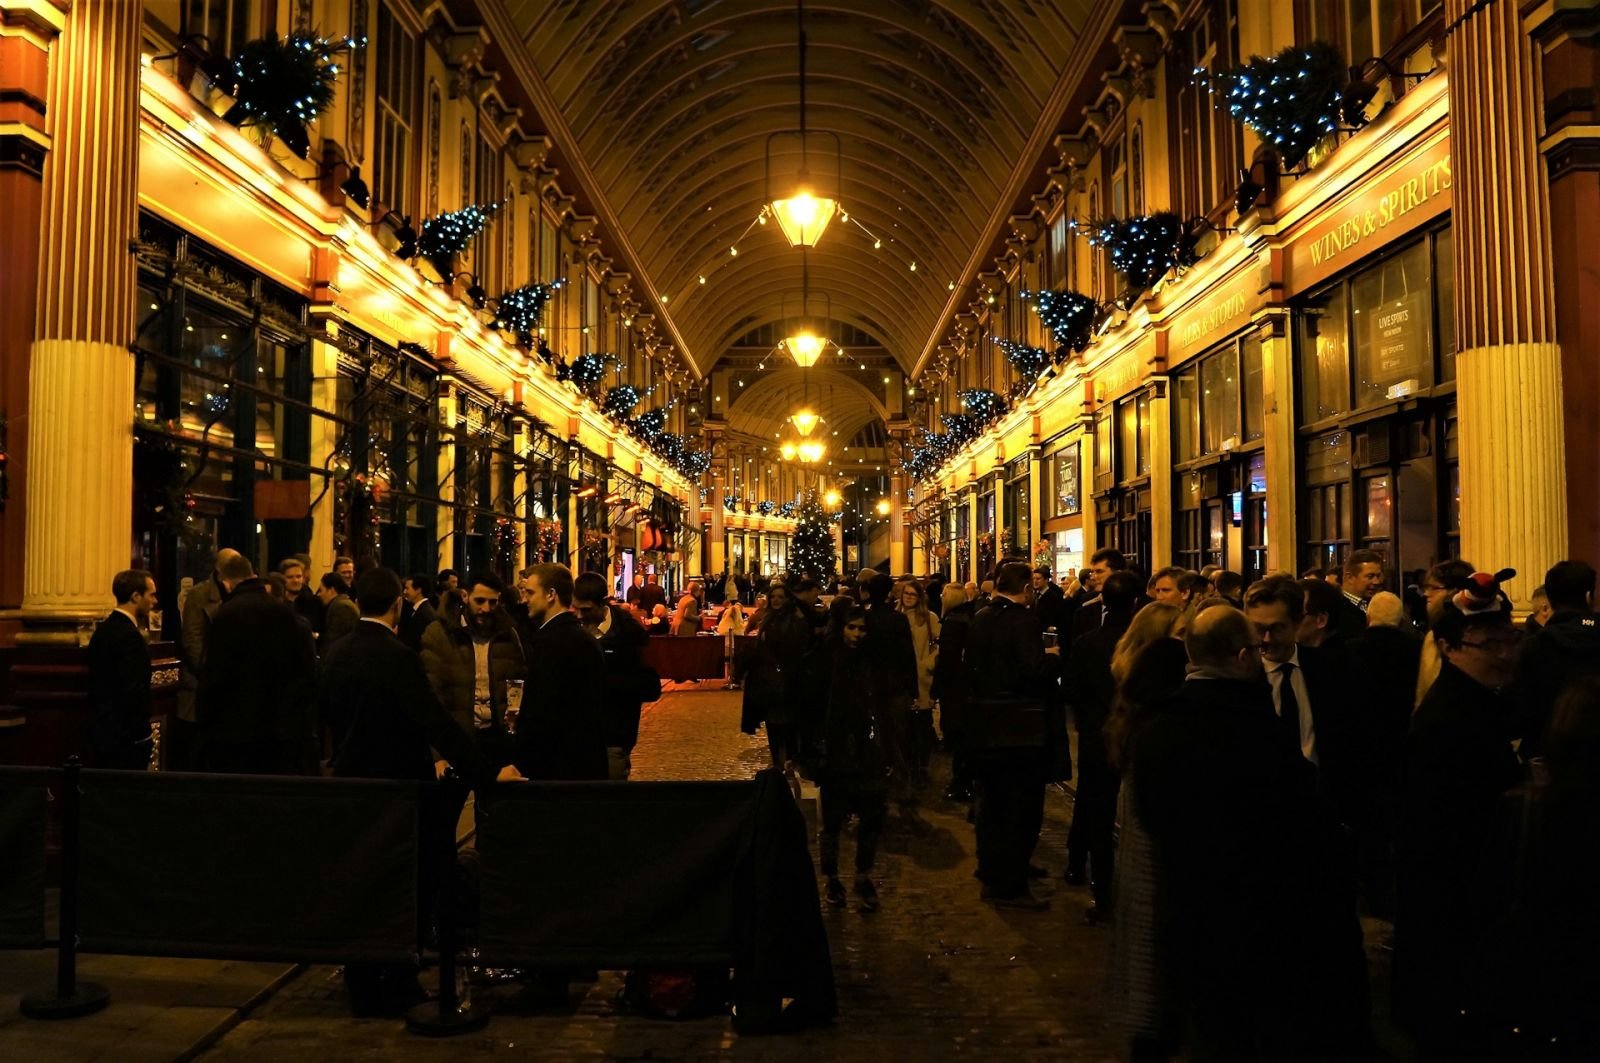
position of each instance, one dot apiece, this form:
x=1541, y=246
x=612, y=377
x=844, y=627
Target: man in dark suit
x=1266, y=960
x=1008, y=663
x=651, y=595
x=1091, y=613
x=417, y=610
x=622, y=640
x=1309, y=698
x=255, y=713
x=893, y=659
x=1090, y=691
x=387, y=723
x=119, y=676
x=1360, y=579
x=1055, y=612
x=562, y=732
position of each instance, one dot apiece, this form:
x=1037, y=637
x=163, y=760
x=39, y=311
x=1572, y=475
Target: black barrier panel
x=249, y=867
x=612, y=874
x=23, y=794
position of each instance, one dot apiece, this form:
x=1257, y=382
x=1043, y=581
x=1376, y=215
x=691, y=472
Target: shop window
x=1219, y=401
x=1444, y=283
x=1363, y=29
x=1255, y=519
x=395, y=69
x=1067, y=477
x=1186, y=405
x=1327, y=510
x=1189, y=518
x=1393, y=327
x=1060, y=253
x=1325, y=357
x=1104, y=467
x=1254, y=388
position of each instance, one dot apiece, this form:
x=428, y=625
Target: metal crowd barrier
x=608, y=875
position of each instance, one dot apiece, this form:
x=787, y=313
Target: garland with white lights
x=587, y=370
x=284, y=84
x=1142, y=249
x=1293, y=99
x=983, y=406
x=1028, y=361
x=620, y=401
x=447, y=235
x=1069, y=316
x=520, y=310
x=651, y=423
x=766, y=506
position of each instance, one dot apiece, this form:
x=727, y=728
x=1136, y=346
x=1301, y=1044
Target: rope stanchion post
x=71, y=999
x=448, y=1016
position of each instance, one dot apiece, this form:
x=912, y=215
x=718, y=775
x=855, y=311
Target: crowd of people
x=1256, y=766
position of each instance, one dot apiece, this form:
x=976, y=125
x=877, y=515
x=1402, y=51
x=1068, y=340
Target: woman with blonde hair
x=912, y=600
x=1157, y=620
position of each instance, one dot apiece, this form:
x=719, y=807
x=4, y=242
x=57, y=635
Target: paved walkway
x=936, y=974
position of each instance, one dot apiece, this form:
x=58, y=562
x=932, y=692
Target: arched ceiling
x=846, y=405
x=670, y=104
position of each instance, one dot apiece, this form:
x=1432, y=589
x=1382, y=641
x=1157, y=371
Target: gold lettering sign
x=1116, y=375
x=1383, y=207
x=1222, y=311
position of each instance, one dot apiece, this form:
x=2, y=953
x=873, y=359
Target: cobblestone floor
x=936, y=974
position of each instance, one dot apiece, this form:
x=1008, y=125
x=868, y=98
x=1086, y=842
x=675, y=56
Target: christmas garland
x=587, y=370
x=1142, y=249
x=983, y=405
x=549, y=539
x=766, y=506
x=520, y=310
x=284, y=84
x=651, y=423
x=1069, y=316
x=446, y=235
x=1028, y=361
x=1293, y=99
x=620, y=400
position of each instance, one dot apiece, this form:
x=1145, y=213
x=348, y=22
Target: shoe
x=1021, y=902
x=1075, y=878
x=958, y=792
x=1035, y=871
x=835, y=893
x=868, y=893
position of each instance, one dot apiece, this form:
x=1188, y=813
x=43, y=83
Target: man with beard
x=622, y=640
x=469, y=663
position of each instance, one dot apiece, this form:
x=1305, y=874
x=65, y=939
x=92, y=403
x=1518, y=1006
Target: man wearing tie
x=119, y=676
x=1306, y=693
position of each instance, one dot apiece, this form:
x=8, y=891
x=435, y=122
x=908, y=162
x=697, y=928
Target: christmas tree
x=811, y=552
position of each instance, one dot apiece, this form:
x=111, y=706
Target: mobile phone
x=1050, y=638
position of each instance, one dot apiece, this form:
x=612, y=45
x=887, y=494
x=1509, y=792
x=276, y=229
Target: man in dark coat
x=1458, y=762
x=297, y=584
x=1055, y=612
x=417, y=612
x=651, y=595
x=200, y=607
x=1566, y=647
x=1267, y=959
x=622, y=640
x=256, y=712
x=1090, y=691
x=562, y=733
x=1008, y=663
x=119, y=676
x=1091, y=611
x=339, y=613
x=470, y=656
x=950, y=689
x=387, y=723
x=893, y=657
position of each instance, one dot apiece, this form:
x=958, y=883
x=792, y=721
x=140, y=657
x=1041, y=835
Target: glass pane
x=1067, y=479
x=1214, y=534
x=1219, y=401
x=1127, y=440
x=1143, y=406
x=1393, y=327
x=1445, y=285
x=1380, y=507
x=1325, y=357
x=1102, y=445
x=1189, y=491
x=1187, y=415
x=1327, y=459
x=1254, y=389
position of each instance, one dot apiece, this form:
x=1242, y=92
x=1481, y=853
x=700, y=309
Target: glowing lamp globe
x=789, y=451
x=803, y=217
x=811, y=451
x=805, y=347
x=832, y=497
x=804, y=420
x=883, y=507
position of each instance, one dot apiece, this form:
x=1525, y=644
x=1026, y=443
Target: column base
x=1513, y=461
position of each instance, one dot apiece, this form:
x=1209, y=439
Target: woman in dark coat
x=949, y=689
x=855, y=759
x=777, y=690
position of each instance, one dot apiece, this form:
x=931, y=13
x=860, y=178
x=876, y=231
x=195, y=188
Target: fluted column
x=1508, y=366
x=444, y=516
x=1278, y=442
x=899, y=539
x=1163, y=519
x=80, y=393
x=324, y=441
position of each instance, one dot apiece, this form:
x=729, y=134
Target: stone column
x=324, y=440
x=971, y=572
x=719, y=537
x=521, y=440
x=80, y=394
x=899, y=537
x=1508, y=365
x=1279, y=443
x=445, y=515
x=1161, y=497
x=1040, y=508
x=27, y=33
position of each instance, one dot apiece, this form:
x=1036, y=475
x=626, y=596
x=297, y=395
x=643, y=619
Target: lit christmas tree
x=811, y=549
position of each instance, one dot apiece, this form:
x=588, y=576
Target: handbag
x=995, y=724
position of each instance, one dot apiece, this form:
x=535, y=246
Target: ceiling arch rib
x=666, y=107
x=762, y=409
